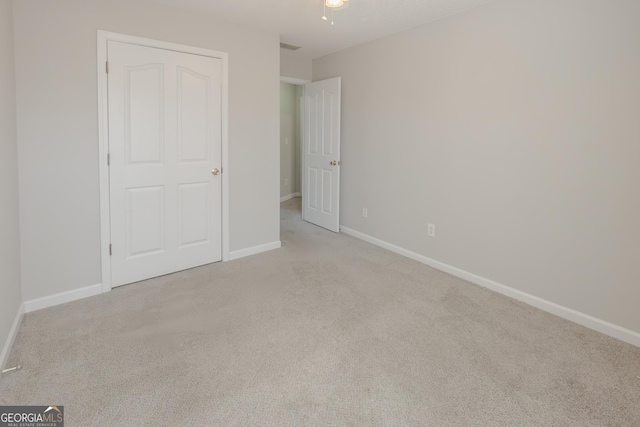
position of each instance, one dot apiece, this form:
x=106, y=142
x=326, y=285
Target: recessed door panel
x=144, y=113
x=312, y=188
x=193, y=121
x=194, y=214
x=327, y=187
x=313, y=130
x=145, y=220
x=327, y=123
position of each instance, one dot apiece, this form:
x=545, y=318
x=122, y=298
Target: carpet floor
x=328, y=330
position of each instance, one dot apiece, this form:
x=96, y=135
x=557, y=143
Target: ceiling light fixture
x=333, y=4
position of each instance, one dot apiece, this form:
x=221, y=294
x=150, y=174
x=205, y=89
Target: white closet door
x=165, y=148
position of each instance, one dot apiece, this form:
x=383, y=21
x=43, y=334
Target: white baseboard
x=583, y=319
x=289, y=197
x=254, y=250
x=61, y=298
x=12, y=336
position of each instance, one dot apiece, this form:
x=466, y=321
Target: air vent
x=289, y=46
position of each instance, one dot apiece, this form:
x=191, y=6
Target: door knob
x=215, y=171
x=334, y=163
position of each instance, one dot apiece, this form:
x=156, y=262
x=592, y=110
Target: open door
x=321, y=158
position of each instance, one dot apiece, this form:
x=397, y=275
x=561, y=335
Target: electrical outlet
x=431, y=230
x=286, y=141
x=365, y=212
x=286, y=181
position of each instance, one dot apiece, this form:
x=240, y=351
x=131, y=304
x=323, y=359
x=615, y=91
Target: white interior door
x=321, y=159
x=164, y=146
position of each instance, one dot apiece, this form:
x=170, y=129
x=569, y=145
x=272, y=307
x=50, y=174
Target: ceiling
x=299, y=21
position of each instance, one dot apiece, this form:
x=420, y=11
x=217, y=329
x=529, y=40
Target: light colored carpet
x=328, y=330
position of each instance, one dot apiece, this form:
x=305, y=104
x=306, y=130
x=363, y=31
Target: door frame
x=103, y=37
x=301, y=83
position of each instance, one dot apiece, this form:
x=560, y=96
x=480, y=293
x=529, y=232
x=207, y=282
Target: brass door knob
x=334, y=163
x=215, y=171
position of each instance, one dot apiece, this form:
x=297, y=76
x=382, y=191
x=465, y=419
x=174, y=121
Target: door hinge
x=108, y=159
x=107, y=66
x=110, y=249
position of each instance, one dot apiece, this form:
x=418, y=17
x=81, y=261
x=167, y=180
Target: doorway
x=291, y=133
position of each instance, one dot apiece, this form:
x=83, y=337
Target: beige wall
x=298, y=68
x=289, y=162
x=57, y=127
x=10, y=294
x=513, y=128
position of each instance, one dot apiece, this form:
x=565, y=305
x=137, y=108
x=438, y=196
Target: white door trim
x=294, y=81
x=303, y=181
x=103, y=138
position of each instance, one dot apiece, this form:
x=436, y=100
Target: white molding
x=615, y=331
x=293, y=80
x=13, y=332
x=255, y=250
x=303, y=119
x=103, y=37
x=62, y=297
x=289, y=197
x=103, y=150
x=301, y=147
x=224, y=57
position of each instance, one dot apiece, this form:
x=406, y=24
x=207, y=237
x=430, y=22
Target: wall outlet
x=286, y=141
x=365, y=212
x=431, y=230
x=286, y=181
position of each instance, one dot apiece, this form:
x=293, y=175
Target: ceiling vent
x=289, y=46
